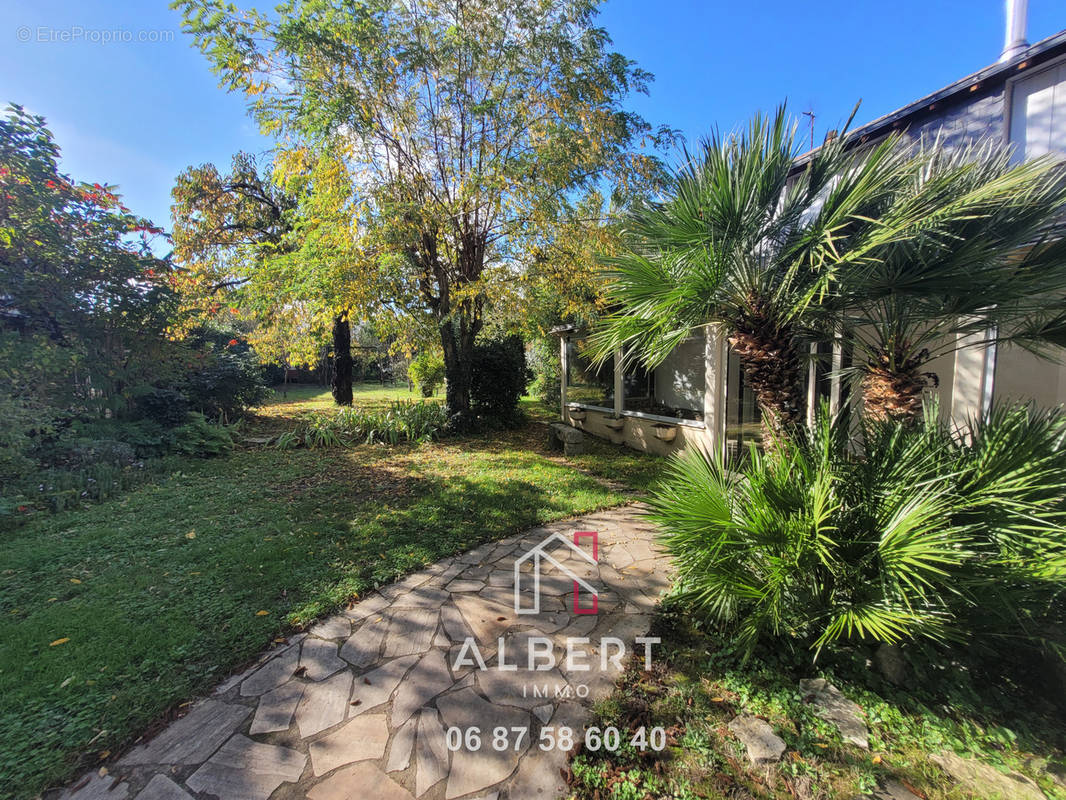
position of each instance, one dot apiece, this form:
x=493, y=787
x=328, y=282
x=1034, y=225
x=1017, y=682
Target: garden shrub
x=924, y=537
x=427, y=371
x=199, y=437
x=228, y=379
x=166, y=406
x=546, y=384
x=499, y=377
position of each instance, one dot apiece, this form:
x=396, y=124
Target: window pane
x=743, y=422
x=675, y=388
x=584, y=382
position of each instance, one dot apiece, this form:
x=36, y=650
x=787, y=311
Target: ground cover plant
x=114, y=614
x=699, y=682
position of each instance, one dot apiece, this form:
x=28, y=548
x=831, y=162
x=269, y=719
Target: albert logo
x=539, y=554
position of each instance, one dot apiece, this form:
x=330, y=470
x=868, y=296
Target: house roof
x=932, y=104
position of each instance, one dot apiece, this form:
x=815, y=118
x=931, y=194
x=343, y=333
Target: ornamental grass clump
x=923, y=535
x=402, y=421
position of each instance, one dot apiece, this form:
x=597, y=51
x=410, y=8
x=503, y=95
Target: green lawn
x=112, y=615
x=310, y=397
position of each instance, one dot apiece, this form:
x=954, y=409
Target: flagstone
x=465, y=585
x=423, y=597
x=476, y=770
x=276, y=708
x=516, y=688
x=432, y=752
x=324, y=704
x=362, y=781
x=366, y=607
x=412, y=581
x=403, y=743
x=429, y=677
x=95, y=786
x=194, y=737
x=319, y=659
x=453, y=623
x=162, y=788
x=503, y=595
x=411, y=631
x=486, y=619
x=453, y=569
x=271, y=675
x=375, y=687
x=246, y=770
x=364, y=646
x=360, y=739
x=335, y=627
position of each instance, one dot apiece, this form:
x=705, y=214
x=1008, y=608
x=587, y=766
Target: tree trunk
x=772, y=367
x=893, y=387
x=457, y=342
x=342, y=361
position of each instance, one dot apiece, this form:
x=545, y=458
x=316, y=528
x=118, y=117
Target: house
x=697, y=396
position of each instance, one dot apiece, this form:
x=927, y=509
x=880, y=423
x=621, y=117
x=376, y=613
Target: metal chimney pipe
x=1017, y=21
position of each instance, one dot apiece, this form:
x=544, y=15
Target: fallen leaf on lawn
x=261, y=613
x=190, y=535
x=876, y=759
x=102, y=772
x=717, y=699
x=74, y=580
x=52, y=599
x=64, y=640
x=66, y=683
x=819, y=744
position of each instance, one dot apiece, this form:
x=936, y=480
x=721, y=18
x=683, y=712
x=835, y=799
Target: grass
x=697, y=686
x=113, y=615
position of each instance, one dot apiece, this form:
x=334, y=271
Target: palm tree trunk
x=893, y=386
x=772, y=367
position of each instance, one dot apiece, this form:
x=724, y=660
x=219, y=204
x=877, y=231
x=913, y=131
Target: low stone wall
x=639, y=432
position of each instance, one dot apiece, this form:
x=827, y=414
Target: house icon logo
x=539, y=554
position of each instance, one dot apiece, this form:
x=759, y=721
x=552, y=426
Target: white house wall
x=1021, y=376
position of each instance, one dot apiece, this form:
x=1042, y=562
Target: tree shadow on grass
x=163, y=594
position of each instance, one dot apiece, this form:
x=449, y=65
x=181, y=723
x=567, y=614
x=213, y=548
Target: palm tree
x=748, y=242
x=981, y=256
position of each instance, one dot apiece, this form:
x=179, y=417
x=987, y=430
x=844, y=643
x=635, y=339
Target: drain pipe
x=1015, y=42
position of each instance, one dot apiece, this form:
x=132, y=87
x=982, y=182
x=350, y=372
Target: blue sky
x=135, y=114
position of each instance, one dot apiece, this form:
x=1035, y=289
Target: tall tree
x=235, y=235
x=465, y=128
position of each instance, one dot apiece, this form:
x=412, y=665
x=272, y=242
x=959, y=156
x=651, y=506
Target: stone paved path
x=360, y=705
